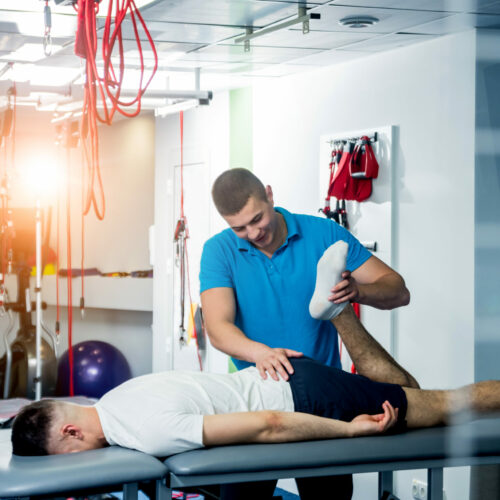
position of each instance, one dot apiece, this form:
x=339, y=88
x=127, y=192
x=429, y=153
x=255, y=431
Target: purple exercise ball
x=97, y=368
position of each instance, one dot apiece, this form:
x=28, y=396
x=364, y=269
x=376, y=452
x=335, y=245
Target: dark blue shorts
x=329, y=392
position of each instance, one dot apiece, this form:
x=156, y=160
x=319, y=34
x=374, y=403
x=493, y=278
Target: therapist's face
x=256, y=222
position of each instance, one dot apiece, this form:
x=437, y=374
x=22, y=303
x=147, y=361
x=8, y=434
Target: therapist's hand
x=274, y=361
x=345, y=291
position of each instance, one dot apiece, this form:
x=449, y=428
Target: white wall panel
x=206, y=146
x=427, y=91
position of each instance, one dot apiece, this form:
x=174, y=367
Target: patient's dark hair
x=233, y=188
x=31, y=427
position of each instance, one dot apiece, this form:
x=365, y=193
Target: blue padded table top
x=475, y=438
x=29, y=476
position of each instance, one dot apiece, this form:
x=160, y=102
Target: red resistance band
x=357, y=167
x=357, y=310
x=336, y=154
x=340, y=180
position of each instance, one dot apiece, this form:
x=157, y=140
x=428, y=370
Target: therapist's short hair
x=233, y=188
x=31, y=429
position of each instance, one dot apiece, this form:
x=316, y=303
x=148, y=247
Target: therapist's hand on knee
x=274, y=361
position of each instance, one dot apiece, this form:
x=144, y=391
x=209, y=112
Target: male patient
x=171, y=412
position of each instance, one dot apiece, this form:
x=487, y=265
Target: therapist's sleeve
x=357, y=254
x=215, y=271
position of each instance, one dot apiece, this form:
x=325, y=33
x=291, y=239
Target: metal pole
x=38, y=295
x=435, y=483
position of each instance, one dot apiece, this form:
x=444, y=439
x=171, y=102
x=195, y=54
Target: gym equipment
x=353, y=166
x=26, y=369
x=181, y=234
x=98, y=367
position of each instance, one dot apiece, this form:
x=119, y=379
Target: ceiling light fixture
x=60, y=5
x=29, y=52
x=179, y=106
x=358, y=21
x=303, y=17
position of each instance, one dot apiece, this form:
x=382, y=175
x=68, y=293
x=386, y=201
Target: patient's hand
x=365, y=425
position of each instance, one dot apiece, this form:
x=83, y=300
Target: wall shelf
x=127, y=293
x=132, y=294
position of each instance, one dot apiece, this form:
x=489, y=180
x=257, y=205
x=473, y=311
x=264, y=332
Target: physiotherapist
x=257, y=278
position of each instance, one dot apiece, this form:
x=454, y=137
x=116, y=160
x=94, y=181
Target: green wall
x=240, y=128
x=241, y=138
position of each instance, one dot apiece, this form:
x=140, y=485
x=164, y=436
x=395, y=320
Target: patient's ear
x=71, y=431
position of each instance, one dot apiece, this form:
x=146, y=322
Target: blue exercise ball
x=97, y=368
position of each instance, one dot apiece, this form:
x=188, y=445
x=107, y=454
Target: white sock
x=329, y=273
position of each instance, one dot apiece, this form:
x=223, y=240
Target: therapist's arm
x=374, y=283
x=281, y=427
x=219, y=311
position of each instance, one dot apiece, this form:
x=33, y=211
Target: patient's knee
x=410, y=381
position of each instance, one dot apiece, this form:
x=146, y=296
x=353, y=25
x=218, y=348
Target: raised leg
x=369, y=357
x=328, y=273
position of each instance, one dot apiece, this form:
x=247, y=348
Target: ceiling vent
x=358, y=21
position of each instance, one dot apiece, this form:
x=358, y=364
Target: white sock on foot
x=329, y=273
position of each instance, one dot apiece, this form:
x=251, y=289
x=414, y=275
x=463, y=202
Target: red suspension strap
x=8, y=134
x=105, y=91
x=339, y=214
x=70, y=275
x=354, y=172
x=363, y=167
x=357, y=309
x=58, y=224
x=82, y=262
x=99, y=90
x=6, y=229
x=180, y=237
x=13, y=132
x=332, y=165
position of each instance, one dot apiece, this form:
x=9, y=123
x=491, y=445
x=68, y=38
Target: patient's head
x=31, y=429
x=51, y=427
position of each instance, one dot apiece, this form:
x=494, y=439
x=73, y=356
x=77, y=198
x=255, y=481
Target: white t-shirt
x=162, y=413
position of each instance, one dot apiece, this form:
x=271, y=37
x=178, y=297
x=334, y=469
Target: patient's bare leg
x=369, y=357
x=428, y=408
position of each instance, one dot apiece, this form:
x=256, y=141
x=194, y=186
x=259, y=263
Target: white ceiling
x=193, y=34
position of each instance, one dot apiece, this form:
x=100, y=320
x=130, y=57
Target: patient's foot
x=329, y=273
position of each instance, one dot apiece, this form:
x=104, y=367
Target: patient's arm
x=279, y=427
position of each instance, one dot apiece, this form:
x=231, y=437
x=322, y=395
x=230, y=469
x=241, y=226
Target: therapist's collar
x=291, y=226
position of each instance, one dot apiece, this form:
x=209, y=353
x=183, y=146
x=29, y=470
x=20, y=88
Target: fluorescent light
x=134, y=54
x=41, y=75
x=103, y=6
x=61, y=118
x=177, y=107
x=29, y=52
x=148, y=55
x=36, y=6
x=70, y=106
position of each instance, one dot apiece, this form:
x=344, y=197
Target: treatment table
x=78, y=474
x=476, y=442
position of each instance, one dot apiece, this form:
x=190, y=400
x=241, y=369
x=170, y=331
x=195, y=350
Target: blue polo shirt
x=272, y=294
